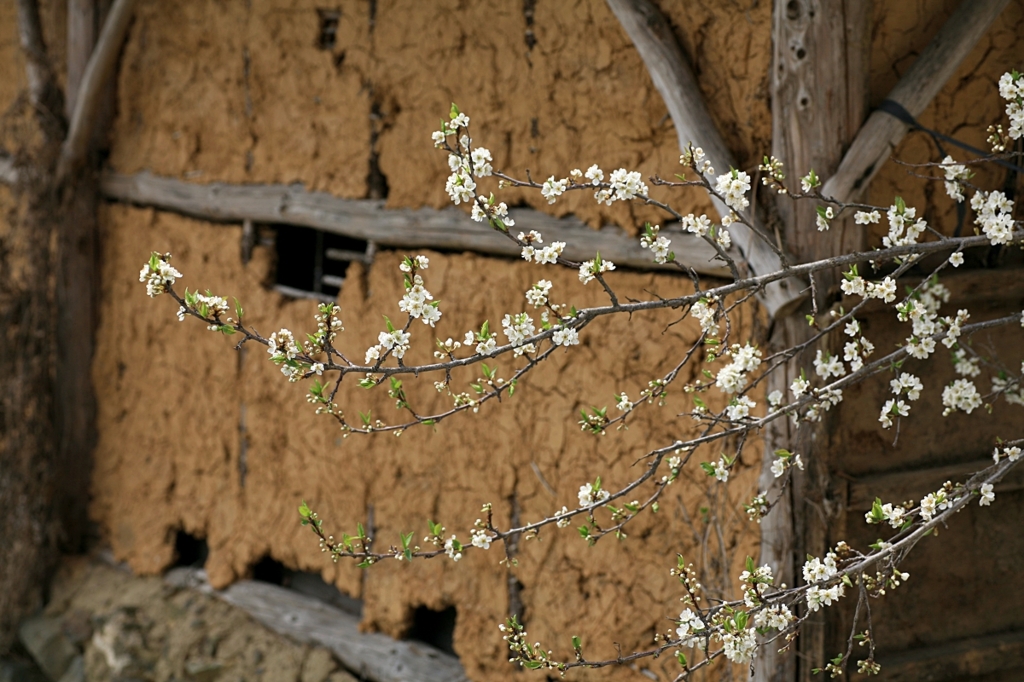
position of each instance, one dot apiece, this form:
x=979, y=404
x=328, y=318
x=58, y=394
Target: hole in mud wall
x=189, y=550
x=436, y=628
x=268, y=570
x=328, y=33
x=312, y=263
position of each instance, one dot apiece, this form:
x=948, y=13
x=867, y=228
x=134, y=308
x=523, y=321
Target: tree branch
x=674, y=79
x=915, y=90
x=101, y=66
x=43, y=92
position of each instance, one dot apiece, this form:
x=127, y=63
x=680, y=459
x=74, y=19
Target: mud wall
x=252, y=92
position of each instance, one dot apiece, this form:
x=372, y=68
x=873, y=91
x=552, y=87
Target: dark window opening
x=312, y=263
x=269, y=571
x=189, y=550
x=436, y=628
x=328, y=34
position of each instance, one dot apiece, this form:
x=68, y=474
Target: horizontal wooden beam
x=967, y=658
x=372, y=656
x=367, y=219
x=900, y=486
x=915, y=90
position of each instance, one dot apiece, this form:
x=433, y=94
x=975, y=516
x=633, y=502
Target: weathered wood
x=901, y=486
x=101, y=66
x=367, y=219
x=819, y=82
x=968, y=658
x=372, y=656
x=915, y=90
x=8, y=172
x=669, y=69
x=81, y=39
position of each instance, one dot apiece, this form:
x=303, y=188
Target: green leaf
x=681, y=657
x=304, y=510
x=453, y=112
x=750, y=564
x=390, y=326
x=238, y=309
x=708, y=468
x=576, y=643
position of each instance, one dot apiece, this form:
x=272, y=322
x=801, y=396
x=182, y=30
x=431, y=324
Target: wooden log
x=652, y=36
x=368, y=220
x=915, y=90
x=99, y=70
x=372, y=656
x=819, y=80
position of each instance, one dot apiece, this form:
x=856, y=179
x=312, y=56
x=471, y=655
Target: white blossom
x=537, y=295
x=565, y=336
x=595, y=175
x=733, y=187
x=960, y=395
x=552, y=188
x=987, y=496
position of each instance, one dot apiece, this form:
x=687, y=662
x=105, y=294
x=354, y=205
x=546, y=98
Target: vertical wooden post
x=819, y=99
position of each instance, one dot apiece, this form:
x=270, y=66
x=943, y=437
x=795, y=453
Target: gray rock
x=49, y=647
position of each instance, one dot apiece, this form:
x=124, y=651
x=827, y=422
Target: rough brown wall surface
x=169, y=450
x=215, y=91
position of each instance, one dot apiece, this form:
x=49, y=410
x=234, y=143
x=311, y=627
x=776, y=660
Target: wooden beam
x=819, y=81
x=81, y=38
x=100, y=68
x=915, y=90
x=900, y=486
x=669, y=69
x=968, y=658
x=367, y=219
x=372, y=656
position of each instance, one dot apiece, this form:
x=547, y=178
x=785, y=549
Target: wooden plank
x=819, y=80
x=967, y=658
x=81, y=38
x=369, y=220
x=915, y=90
x=372, y=656
x=652, y=36
x=900, y=486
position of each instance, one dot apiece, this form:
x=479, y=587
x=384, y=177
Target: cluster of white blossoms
x=785, y=461
x=283, y=350
x=906, y=384
x=903, y=228
x=484, y=339
x=543, y=256
x=733, y=187
x=690, y=627
x=817, y=571
x=826, y=365
x=1011, y=389
x=964, y=364
x=994, y=214
x=537, y=295
x=657, y=243
x=866, y=217
x=961, y=395
x=857, y=350
x=1011, y=453
x=705, y=313
x=824, y=216
x=565, y=336
x=1011, y=88
x=626, y=185
x=956, y=175
x=740, y=646
x=893, y=514
x=698, y=225
x=517, y=329
x=205, y=304
x=493, y=211
x=592, y=493
x=453, y=548
x=696, y=159
x=739, y=408
x=591, y=268
x=733, y=377
x=552, y=189
x=158, y=274
x=481, y=538
x=394, y=340
x=415, y=303
x=855, y=285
